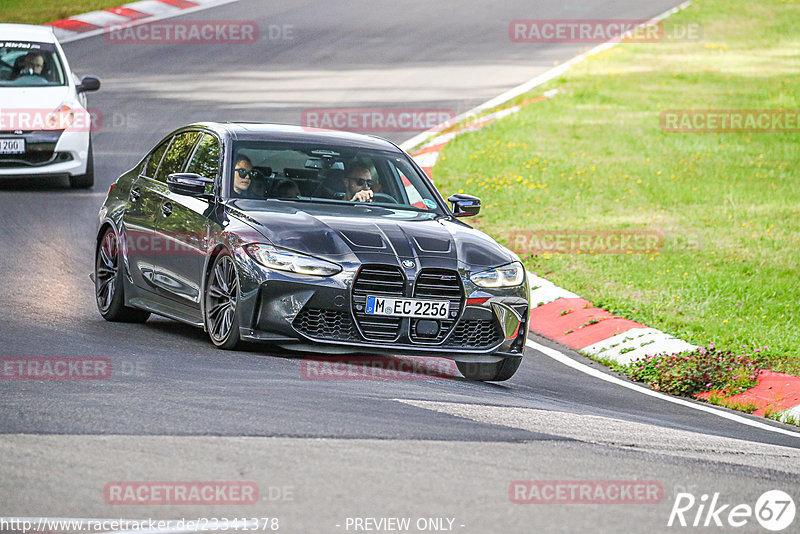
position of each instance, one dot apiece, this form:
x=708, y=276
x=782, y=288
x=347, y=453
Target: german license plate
x=425, y=309
x=12, y=146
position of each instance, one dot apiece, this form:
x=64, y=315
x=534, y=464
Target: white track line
x=135, y=22
x=532, y=83
x=569, y=362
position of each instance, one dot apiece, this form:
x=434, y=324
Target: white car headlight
x=68, y=116
x=286, y=260
x=509, y=275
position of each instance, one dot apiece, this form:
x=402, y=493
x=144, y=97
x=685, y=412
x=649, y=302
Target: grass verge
x=41, y=11
x=594, y=159
x=775, y=415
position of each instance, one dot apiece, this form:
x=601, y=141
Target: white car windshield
x=30, y=64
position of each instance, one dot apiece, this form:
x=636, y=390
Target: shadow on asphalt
x=48, y=183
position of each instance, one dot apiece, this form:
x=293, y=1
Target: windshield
x=325, y=174
x=30, y=64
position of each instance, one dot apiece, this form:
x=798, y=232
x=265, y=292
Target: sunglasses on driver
x=361, y=182
x=244, y=172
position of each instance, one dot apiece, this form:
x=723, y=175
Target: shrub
x=705, y=369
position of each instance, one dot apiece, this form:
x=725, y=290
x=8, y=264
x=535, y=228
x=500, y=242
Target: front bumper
x=48, y=153
x=312, y=313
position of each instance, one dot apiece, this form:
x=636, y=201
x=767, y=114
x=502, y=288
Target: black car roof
x=258, y=131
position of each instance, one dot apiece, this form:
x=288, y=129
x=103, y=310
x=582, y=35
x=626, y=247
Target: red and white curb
x=563, y=316
x=95, y=22
x=576, y=323
x=775, y=392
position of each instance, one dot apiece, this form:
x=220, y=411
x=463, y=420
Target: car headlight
x=282, y=259
x=68, y=117
x=509, y=275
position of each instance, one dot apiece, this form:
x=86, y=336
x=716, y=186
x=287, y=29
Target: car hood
x=373, y=234
x=34, y=98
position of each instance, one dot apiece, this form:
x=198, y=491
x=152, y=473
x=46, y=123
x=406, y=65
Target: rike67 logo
x=774, y=510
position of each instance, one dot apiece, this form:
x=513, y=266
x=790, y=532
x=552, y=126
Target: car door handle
x=135, y=194
x=166, y=209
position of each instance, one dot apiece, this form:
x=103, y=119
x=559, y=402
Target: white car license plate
x=12, y=146
x=426, y=309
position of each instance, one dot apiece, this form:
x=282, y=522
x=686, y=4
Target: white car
x=45, y=126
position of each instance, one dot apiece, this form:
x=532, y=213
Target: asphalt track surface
x=177, y=409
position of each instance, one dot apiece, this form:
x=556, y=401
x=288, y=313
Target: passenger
x=242, y=178
x=286, y=189
x=358, y=183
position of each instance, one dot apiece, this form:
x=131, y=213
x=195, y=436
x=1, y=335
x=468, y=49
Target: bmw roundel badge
x=409, y=264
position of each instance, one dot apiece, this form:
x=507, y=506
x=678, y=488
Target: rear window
x=30, y=64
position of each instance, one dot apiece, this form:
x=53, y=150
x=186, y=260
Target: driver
x=32, y=64
x=242, y=178
x=358, y=183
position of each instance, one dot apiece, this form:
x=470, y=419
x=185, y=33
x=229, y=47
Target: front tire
x=221, y=302
x=108, y=288
x=489, y=372
x=84, y=181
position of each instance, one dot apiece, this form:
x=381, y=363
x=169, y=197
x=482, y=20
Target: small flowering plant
x=704, y=369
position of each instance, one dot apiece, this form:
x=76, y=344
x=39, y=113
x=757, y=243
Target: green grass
x=593, y=158
x=775, y=414
x=742, y=406
x=41, y=11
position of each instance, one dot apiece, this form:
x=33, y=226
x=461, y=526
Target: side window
x=175, y=158
x=205, y=161
x=155, y=158
x=411, y=187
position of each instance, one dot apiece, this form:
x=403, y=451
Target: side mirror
x=88, y=83
x=189, y=184
x=465, y=205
